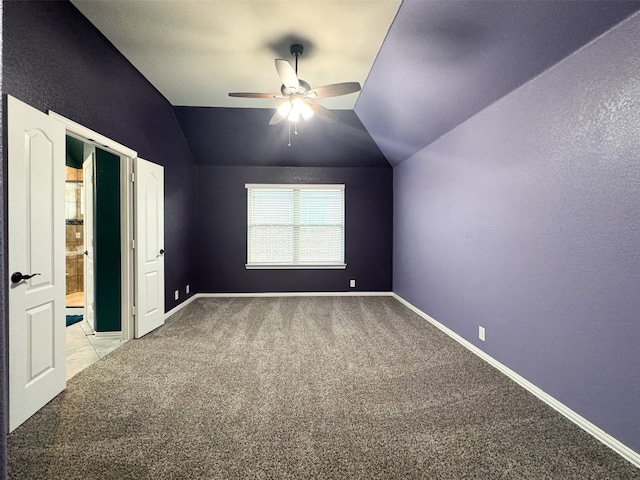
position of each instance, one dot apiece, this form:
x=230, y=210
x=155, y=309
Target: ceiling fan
x=299, y=94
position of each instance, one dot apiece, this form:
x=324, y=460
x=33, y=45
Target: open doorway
x=93, y=254
x=74, y=243
x=75, y=193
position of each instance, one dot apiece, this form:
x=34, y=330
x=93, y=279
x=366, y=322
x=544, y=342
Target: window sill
x=295, y=267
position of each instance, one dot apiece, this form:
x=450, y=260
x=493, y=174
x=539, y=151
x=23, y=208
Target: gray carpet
x=323, y=388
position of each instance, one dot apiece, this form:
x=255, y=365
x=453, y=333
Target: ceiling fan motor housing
x=303, y=88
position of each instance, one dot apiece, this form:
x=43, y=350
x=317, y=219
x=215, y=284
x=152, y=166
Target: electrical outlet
x=352, y=283
x=78, y=235
x=177, y=294
x=481, y=332
x=187, y=289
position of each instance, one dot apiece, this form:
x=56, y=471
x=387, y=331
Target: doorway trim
x=126, y=155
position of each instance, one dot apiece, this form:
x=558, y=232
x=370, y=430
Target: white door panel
x=149, y=250
x=36, y=152
x=88, y=177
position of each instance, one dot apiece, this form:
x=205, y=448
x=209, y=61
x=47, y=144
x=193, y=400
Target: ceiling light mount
x=296, y=49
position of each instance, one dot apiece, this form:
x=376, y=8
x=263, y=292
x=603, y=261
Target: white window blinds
x=295, y=226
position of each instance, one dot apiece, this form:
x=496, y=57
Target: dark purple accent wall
x=222, y=230
x=233, y=147
x=55, y=59
x=243, y=136
x=525, y=219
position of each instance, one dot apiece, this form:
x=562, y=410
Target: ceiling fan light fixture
x=306, y=111
x=295, y=108
x=284, y=108
x=302, y=108
x=294, y=115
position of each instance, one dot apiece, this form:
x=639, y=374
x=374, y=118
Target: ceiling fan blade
x=287, y=74
x=334, y=90
x=252, y=95
x=277, y=118
x=322, y=113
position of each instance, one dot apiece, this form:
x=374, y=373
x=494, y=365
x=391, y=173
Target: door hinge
x=133, y=177
x=133, y=310
x=133, y=244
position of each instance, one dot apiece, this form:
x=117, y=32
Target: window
x=295, y=226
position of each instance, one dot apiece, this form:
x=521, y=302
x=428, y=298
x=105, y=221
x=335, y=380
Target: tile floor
x=84, y=348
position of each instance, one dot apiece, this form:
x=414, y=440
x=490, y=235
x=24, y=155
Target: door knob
x=86, y=252
x=162, y=251
x=18, y=277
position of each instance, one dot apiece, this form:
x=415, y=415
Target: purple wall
x=222, y=230
x=55, y=59
x=525, y=219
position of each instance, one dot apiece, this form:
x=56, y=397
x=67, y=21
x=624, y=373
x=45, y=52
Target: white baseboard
x=599, y=434
x=177, y=308
x=276, y=294
x=108, y=334
x=297, y=294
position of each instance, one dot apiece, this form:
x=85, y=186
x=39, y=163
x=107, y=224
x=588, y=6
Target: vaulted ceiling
x=426, y=65
x=444, y=61
x=196, y=51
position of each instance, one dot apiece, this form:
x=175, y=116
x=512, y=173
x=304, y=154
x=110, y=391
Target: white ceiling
x=197, y=51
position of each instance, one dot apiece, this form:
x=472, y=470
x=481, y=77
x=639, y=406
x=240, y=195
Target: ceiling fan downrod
x=296, y=50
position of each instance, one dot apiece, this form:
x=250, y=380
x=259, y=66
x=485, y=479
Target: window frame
x=296, y=266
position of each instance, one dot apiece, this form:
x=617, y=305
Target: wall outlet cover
x=352, y=283
x=177, y=294
x=481, y=332
x=187, y=288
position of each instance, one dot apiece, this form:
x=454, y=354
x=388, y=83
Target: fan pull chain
x=295, y=131
x=295, y=124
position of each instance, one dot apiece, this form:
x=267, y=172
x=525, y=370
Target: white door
x=149, y=246
x=89, y=251
x=36, y=152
